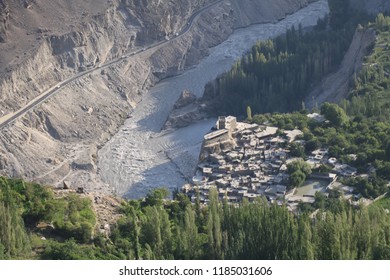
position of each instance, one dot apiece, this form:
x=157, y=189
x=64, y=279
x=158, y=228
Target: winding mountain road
x=7, y=119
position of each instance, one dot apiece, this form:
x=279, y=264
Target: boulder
x=66, y=185
x=186, y=98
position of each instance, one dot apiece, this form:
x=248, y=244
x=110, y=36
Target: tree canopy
x=334, y=114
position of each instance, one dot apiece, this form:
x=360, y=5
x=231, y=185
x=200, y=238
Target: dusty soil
x=28, y=25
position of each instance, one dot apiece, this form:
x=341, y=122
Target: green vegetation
x=179, y=230
x=276, y=75
x=383, y=202
x=334, y=114
x=298, y=170
x=29, y=210
x=165, y=229
x=14, y=239
x=356, y=131
x=249, y=113
x=339, y=13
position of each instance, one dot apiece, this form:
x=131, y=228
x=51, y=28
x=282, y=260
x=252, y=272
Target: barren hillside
x=254, y=11
x=27, y=23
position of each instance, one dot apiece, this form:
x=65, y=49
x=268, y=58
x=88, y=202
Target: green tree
x=334, y=114
x=382, y=253
x=214, y=226
x=338, y=13
x=13, y=235
x=297, y=150
x=69, y=250
x=2, y=252
x=190, y=239
x=297, y=178
x=156, y=196
x=305, y=243
x=388, y=150
x=299, y=165
x=249, y=113
x=298, y=171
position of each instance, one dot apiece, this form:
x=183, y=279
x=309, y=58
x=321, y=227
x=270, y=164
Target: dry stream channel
x=140, y=156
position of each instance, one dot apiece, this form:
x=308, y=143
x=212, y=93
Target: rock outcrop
x=186, y=98
x=185, y=111
x=248, y=12
x=4, y=20
x=159, y=19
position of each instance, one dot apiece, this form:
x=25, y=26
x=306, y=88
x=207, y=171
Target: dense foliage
x=179, y=230
x=29, y=210
x=164, y=229
x=276, y=75
x=357, y=131
x=14, y=239
x=298, y=171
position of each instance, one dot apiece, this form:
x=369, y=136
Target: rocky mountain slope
x=254, y=11
x=4, y=20
x=45, y=42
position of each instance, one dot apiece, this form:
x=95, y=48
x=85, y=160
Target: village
x=248, y=161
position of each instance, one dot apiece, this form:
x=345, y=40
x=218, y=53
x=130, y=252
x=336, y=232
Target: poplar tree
x=214, y=225
x=13, y=235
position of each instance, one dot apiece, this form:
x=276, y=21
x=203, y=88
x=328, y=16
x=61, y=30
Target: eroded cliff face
x=59, y=140
x=158, y=19
x=106, y=36
x=252, y=11
x=4, y=20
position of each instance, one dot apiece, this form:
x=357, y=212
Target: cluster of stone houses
x=320, y=156
x=247, y=161
x=243, y=161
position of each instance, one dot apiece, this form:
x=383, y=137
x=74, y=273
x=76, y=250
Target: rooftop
x=317, y=117
x=268, y=131
x=215, y=134
x=293, y=134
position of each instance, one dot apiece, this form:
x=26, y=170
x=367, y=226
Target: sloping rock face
x=4, y=20
x=253, y=11
x=186, y=98
x=46, y=42
x=186, y=110
x=158, y=19
x=49, y=54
